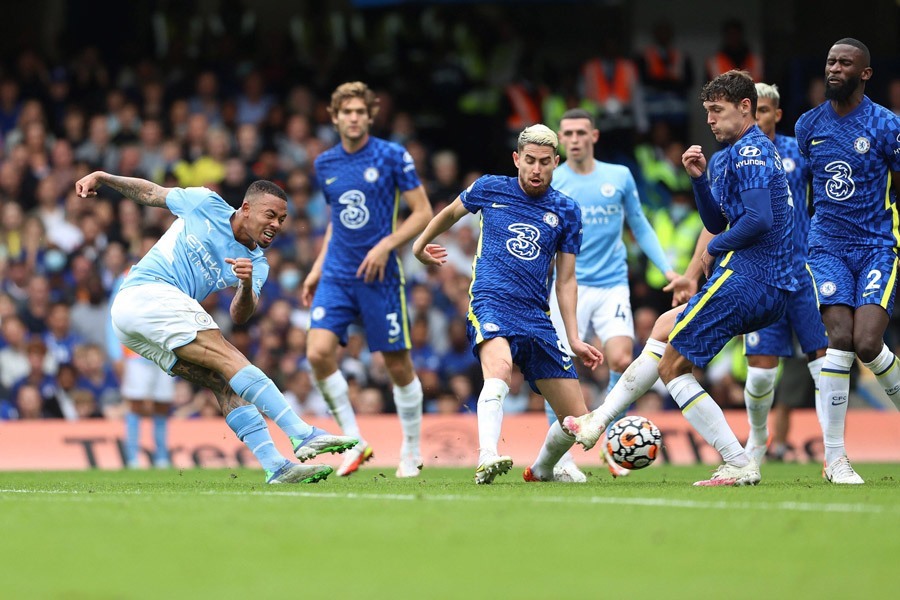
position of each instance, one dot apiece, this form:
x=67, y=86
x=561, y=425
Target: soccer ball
x=633, y=442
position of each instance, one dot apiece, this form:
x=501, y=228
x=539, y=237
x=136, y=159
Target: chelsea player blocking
x=524, y=224
x=853, y=149
x=358, y=274
x=750, y=263
x=608, y=196
x=157, y=311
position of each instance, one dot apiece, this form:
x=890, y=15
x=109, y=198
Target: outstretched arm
x=140, y=190
x=435, y=254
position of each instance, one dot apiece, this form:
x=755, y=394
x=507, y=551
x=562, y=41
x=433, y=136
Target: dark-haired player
x=853, y=149
x=157, y=311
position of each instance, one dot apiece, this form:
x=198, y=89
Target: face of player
x=264, y=218
x=352, y=121
x=535, y=164
x=727, y=120
x=845, y=70
x=578, y=138
x=767, y=115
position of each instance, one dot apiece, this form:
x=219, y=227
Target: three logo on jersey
x=524, y=246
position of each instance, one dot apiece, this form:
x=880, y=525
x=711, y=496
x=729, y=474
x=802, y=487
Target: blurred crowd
x=206, y=111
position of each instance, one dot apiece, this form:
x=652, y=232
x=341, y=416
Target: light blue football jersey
x=191, y=254
x=607, y=197
x=850, y=160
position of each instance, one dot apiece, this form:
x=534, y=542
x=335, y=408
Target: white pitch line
x=605, y=500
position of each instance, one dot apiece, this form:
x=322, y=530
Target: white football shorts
x=605, y=311
x=143, y=380
x=154, y=319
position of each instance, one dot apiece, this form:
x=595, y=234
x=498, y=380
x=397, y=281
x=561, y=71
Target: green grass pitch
x=224, y=534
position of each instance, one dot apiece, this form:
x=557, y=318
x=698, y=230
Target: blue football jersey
x=752, y=162
x=520, y=236
x=363, y=189
x=607, y=196
x=798, y=181
x=191, y=254
x=850, y=159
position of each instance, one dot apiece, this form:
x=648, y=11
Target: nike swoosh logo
x=870, y=293
x=495, y=205
x=567, y=367
x=393, y=340
x=833, y=403
x=816, y=142
x=330, y=180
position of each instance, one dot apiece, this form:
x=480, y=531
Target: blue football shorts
x=729, y=304
x=533, y=342
x=855, y=276
x=801, y=318
x=380, y=306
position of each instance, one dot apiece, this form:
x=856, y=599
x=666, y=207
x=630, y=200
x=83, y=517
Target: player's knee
x=868, y=347
x=618, y=361
x=671, y=367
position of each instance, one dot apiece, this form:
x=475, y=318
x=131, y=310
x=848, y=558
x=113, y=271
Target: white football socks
x=634, y=383
x=408, y=400
x=334, y=390
x=834, y=388
x=707, y=418
x=490, y=416
x=759, y=392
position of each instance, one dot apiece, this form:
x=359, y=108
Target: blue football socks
x=255, y=387
x=250, y=427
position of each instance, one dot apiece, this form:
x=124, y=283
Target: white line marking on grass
x=605, y=500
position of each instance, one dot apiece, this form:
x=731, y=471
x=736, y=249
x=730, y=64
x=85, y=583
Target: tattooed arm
x=140, y=190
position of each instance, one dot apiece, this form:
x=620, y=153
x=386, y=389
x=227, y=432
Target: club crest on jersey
x=749, y=151
x=608, y=190
x=862, y=145
x=789, y=165
x=318, y=313
x=551, y=219
x=203, y=319
x=828, y=288
x=371, y=175
x=752, y=339
x=492, y=327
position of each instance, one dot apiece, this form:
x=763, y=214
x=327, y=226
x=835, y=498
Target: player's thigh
x=876, y=277
x=610, y=313
x=140, y=378
x=774, y=340
x=540, y=355
x=804, y=316
x=156, y=319
x=564, y=396
x=729, y=304
x=834, y=280
x=334, y=308
x=496, y=358
x=385, y=316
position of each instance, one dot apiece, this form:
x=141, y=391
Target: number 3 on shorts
x=395, y=324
